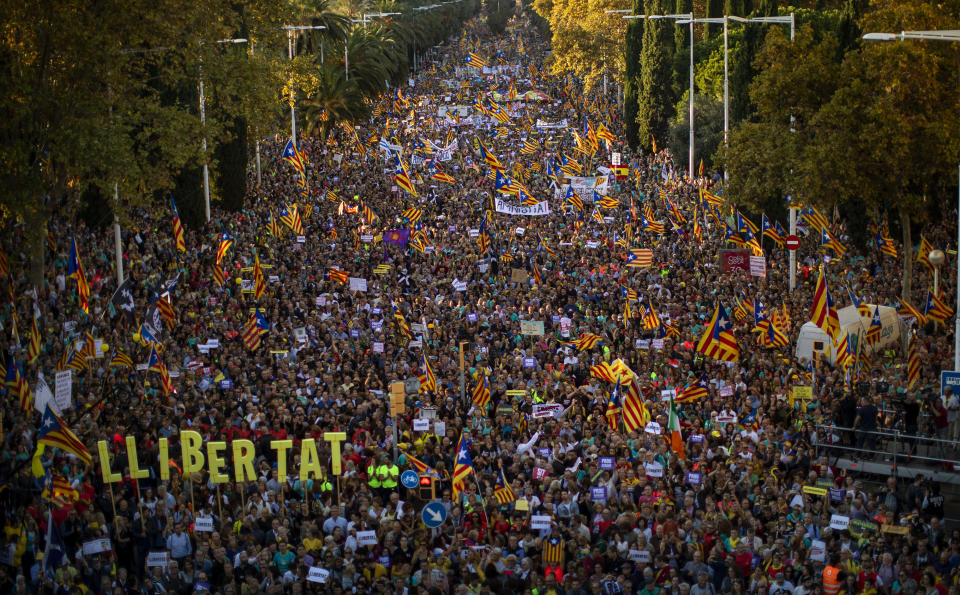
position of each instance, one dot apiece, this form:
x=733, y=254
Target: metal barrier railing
x=900, y=447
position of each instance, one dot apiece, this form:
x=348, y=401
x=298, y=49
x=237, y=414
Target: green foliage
x=708, y=132
x=654, y=100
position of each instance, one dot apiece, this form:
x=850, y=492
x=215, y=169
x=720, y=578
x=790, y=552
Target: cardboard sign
x=96, y=546
x=522, y=505
x=529, y=362
x=652, y=428
x=894, y=529
x=607, y=463
x=203, y=524
x=725, y=391
x=818, y=550
x=694, y=478
x=157, y=559
x=421, y=425
x=814, y=491
x=472, y=317
x=653, y=469
x=544, y=452
x=758, y=266
x=378, y=347
x=366, y=538
x=540, y=521
x=803, y=393
x=863, y=525
x=440, y=428
x=545, y=410
x=734, y=260
x=518, y=276
x=598, y=494
x=837, y=495
x=317, y=575
x=64, y=389
x=696, y=439
x=357, y=284
x=532, y=328
x=639, y=556
x=226, y=384
x=657, y=343
x=839, y=522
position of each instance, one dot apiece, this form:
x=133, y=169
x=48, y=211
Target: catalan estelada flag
x=502, y=491
x=255, y=328
x=937, y=309
x=259, y=283
x=155, y=364
x=55, y=433
x=75, y=271
x=462, y=467
x=428, y=380
x=586, y=341
x=177, y=228
x=824, y=312
x=421, y=467
x=226, y=240
x=402, y=325
x=481, y=394
x=718, y=340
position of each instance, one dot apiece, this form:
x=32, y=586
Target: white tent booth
x=813, y=339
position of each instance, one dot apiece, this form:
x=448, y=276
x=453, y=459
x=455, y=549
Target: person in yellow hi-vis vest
x=389, y=474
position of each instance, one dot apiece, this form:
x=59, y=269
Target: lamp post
x=936, y=258
x=954, y=36
x=203, y=122
x=681, y=19
x=290, y=29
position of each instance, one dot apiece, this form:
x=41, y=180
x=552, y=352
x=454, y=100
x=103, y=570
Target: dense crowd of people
x=740, y=507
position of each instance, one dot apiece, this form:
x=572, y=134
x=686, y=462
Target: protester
x=726, y=496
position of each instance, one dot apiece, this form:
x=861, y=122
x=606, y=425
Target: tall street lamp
x=791, y=20
x=945, y=35
x=290, y=29
x=681, y=19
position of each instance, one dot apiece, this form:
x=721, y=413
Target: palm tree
x=335, y=100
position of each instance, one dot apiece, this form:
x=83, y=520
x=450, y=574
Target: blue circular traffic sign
x=409, y=479
x=433, y=515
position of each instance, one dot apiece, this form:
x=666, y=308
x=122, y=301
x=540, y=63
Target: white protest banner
x=666, y=394
x=157, y=559
x=43, y=396
x=357, y=284
x=532, y=328
x=460, y=285
x=64, y=389
x=758, y=266
x=203, y=524
x=440, y=428
x=727, y=417
x=657, y=343
x=726, y=391
x=97, y=347
x=653, y=469
x=378, y=347
x=540, y=521
x=96, y=546
x=421, y=425
x=520, y=231
x=839, y=522
x=640, y=556
x=552, y=126
x=318, y=575
x=818, y=550
x=543, y=410
x=540, y=208
x=652, y=428
x=366, y=538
